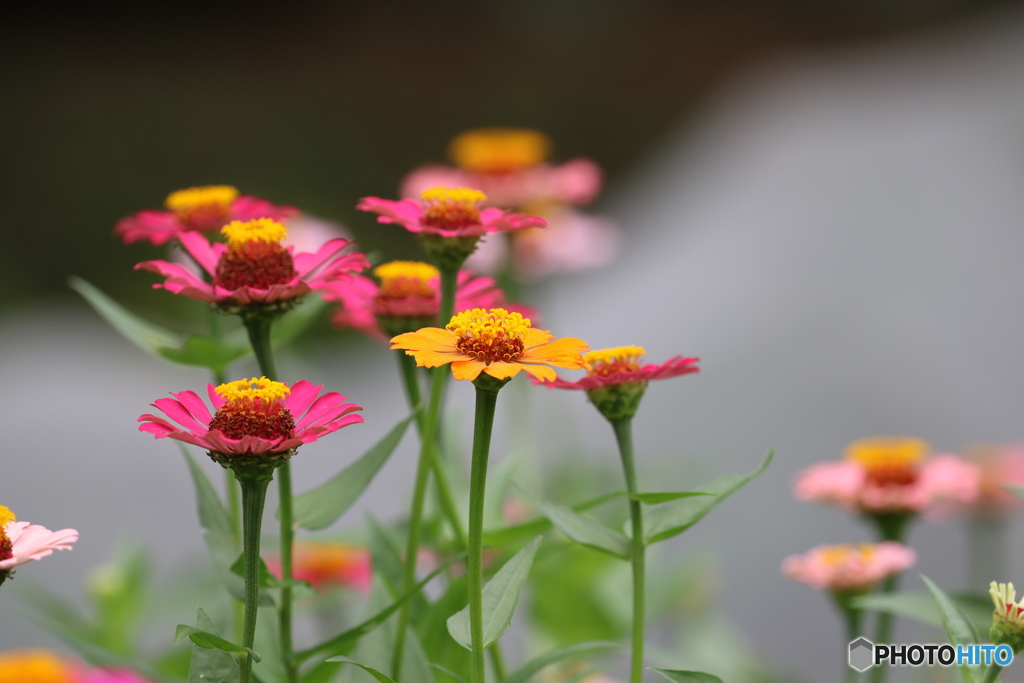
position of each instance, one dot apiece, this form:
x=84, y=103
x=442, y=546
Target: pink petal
x=301, y=397
x=179, y=413
x=200, y=248
x=328, y=407
x=216, y=399
x=156, y=227
x=306, y=263
x=407, y=212
x=196, y=406
x=248, y=208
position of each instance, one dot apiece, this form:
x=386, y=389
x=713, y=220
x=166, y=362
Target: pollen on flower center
x=6, y=517
x=405, y=279
x=837, y=555
x=499, y=150
x=255, y=257
x=489, y=335
x=888, y=460
x=6, y=548
x=254, y=407
x=605, y=362
x=452, y=208
x=202, y=208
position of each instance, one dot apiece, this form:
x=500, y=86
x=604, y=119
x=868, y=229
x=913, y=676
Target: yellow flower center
x=254, y=408
x=250, y=390
x=499, y=150
x=451, y=208
x=404, y=279
x=255, y=257
x=490, y=335
x=6, y=516
x=259, y=230
x=34, y=666
x=889, y=460
x=202, y=208
x=604, y=362
x=837, y=555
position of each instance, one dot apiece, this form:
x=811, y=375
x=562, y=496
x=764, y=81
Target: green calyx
x=258, y=312
x=485, y=382
x=1007, y=633
x=255, y=467
x=448, y=253
x=618, y=401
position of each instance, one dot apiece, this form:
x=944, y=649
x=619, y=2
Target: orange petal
x=432, y=359
x=501, y=370
x=467, y=369
x=566, y=352
x=418, y=341
x=534, y=337
x=542, y=372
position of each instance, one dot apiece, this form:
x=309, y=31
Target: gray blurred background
x=820, y=199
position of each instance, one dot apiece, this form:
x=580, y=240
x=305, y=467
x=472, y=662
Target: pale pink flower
x=849, y=568
x=448, y=212
x=254, y=419
x=1001, y=467
x=889, y=475
x=22, y=542
x=197, y=209
x=252, y=271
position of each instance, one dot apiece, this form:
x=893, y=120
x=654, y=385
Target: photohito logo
x=864, y=654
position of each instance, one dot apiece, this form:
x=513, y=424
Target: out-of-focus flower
x=38, y=666
x=617, y=378
x=407, y=298
x=256, y=421
x=254, y=271
x=21, y=542
x=197, y=209
x=1008, y=616
x=325, y=564
x=495, y=342
x=114, y=676
x=886, y=475
x=849, y=568
x=1000, y=467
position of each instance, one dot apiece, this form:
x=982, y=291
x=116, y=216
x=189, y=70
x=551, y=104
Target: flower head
x=253, y=271
x=1008, y=616
x=499, y=150
x=255, y=421
x=494, y=342
x=21, y=542
x=849, y=568
x=888, y=475
x=325, y=564
x=407, y=298
x=617, y=378
x=197, y=209
x=37, y=666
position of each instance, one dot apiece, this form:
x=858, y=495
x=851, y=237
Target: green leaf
x=920, y=606
x=514, y=535
x=340, y=642
x=658, y=498
x=322, y=506
x=688, y=676
x=215, y=353
x=500, y=597
x=210, y=641
x=266, y=579
x=583, y=530
x=147, y=335
x=527, y=671
x=211, y=665
x=666, y=521
x=959, y=628
x=369, y=669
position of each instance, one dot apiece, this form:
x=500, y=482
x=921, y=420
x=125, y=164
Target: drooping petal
x=467, y=369
x=196, y=406
x=180, y=414
x=544, y=373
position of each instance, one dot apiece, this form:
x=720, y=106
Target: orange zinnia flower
x=495, y=342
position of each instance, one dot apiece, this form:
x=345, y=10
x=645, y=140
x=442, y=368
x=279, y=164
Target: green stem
x=852, y=617
x=624, y=436
x=235, y=513
x=254, y=493
x=992, y=673
x=258, y=328
x=890, y=528
x=486, y=401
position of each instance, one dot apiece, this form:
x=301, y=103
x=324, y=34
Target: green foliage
x=922, y=607
x=211, y=665
x=209, y=640
x=584, y=530
x=959, y=628
x=688, y=676
x=527, y=671
x=373, y=672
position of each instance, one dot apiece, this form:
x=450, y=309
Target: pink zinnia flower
x=407, y=298
x=197, y=209
x=329, y=563
x=254, y=419
x=114, y=676
x=889, y=475
x=448, y=212
x=849, y=568
x=616, y=378
x=38, y=666
x=21, y=542
x=1001, y=467
x=254, y=268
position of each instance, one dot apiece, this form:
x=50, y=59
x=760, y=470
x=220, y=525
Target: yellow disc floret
x=889, y=459
x=249, y=390
x=490, y=335
x=35, y=666
x=193, y=197
x=841, y=554
x=619, y=359
x=453, y=195
x=6, y=516
x=499, y=150
x=400, y=279
x=259, y=230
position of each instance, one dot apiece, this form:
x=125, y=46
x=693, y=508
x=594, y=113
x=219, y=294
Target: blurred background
x=820, y=199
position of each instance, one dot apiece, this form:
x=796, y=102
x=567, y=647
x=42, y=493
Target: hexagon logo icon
x=862, y=653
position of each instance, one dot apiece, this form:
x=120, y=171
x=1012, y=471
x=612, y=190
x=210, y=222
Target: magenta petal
x=205, y=253
x=306, y=263
x=156, y=227
x=157, y=426
x=328, y=407
x=179, y=413
x=249, y=208
x=407, y=212
x=196, y=406
x=216, y=399
x=302, y=395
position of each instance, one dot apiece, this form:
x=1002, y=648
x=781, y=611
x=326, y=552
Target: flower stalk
x=891, y=527
x=254, y=482
x=624, y=437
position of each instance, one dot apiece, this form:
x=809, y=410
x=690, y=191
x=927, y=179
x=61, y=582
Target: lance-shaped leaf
x=665, y=497
x=500, y=597
x=320, y=507
x=583, y=530
x=688, y=676
x=368, y=669
x=672, y=519
x=513, y=535
x=959, y=628
x=526, y=672
x=211, y=665
x=147, y=335
x=921, y=606
x=210, y=641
